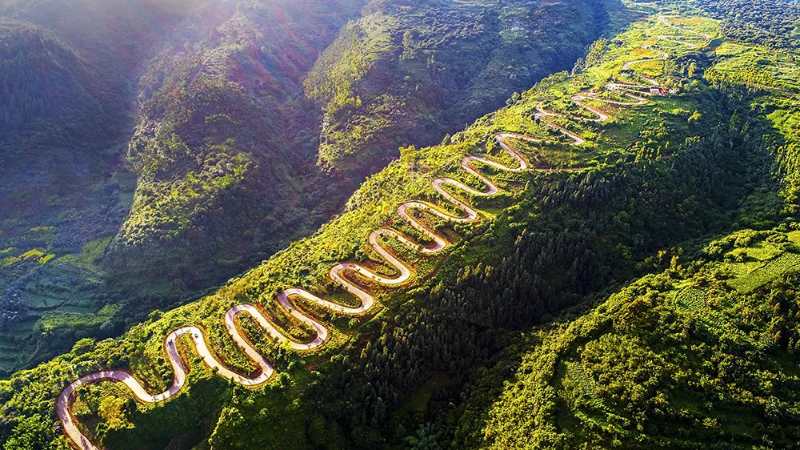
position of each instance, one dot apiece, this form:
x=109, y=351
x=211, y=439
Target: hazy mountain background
x=152, y=149
x=637, y=287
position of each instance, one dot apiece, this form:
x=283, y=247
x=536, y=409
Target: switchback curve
x=639, y=93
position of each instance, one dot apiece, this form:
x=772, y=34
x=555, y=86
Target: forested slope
x=410, y=73
x=67, y=77
x=176, y=144
x=772, y=23
x=66, y=80
x=703, y=355
x=602, y=201
x=700, y=355
x=248, y=112
x=224, y=145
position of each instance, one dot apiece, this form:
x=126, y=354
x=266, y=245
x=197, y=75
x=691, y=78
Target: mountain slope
x=193, y=140
x=617, y=171
x=223, y=147
x=253, y=69
x=404, y=73
x=63, y=190
x=702, y=355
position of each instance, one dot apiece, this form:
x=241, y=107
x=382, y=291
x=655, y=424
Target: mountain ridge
x=615, y=147
x=210, y=164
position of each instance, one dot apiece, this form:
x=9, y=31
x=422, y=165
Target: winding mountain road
x=287, y=299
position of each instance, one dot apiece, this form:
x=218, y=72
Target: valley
x=213, y=108
x=609, y=260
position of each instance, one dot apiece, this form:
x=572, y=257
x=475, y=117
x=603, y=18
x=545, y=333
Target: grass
x=757, y=66
x=75, y=318
x=690, y=298
x=60, y=303
x=772, y=270
x=305, y=263
x=36, y=255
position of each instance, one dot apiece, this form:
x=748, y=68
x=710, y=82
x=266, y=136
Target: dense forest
x=63, y=189
x=773, y=23
x=700, y=355
x=452, y=326
x=153, y=150
x=405, y=61
x=637, y=288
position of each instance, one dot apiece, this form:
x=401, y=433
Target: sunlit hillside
x=393, y=224
x=151, y=150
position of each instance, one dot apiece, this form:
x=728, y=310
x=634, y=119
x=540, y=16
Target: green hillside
x=608, y=261
x=701, y=355
x=237, y=118
x=224, y=146
x=404, y=73
x=64, y=192
x=154, y=149
x=657, y=139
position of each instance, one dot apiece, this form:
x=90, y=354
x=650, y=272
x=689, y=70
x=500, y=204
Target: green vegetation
x=58, y=309
x=699, y=189
x=65, y=76
x=774, y=23
x=399, y=74
x=35, y=255
x=701, y=355
x=675, y=360
x=653, y=177
x=223, y=149
x=225, y=102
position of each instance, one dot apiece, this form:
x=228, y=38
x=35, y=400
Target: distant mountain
x=229, y=122
x=224, y=144
x=152, y=149
x=410, y=72
x=79, y=166
x=67, y=73
x=609, y=260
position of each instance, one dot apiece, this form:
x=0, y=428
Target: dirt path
x=286, y=299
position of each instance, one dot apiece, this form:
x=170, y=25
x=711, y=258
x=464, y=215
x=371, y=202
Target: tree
x=31, y=432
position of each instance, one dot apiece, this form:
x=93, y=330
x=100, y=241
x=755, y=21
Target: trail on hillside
x=638, y=94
